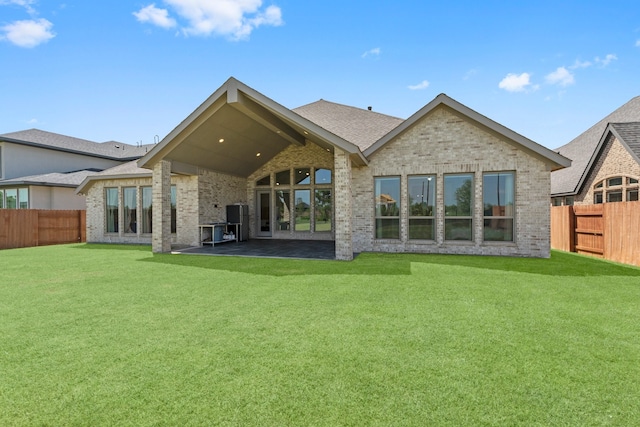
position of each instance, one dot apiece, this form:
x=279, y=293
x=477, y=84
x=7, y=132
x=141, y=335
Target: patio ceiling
x=236, y=131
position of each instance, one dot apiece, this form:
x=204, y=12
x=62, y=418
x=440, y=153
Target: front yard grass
x=114, y=335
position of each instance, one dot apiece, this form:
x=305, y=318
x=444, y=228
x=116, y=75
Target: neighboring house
x=446, y=180
x=40, y=170
x=605, y=161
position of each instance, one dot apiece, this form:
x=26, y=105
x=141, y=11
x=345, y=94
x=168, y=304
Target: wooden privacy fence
x=21, y=228
x=608, y=230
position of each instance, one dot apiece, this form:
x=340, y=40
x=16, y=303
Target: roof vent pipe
x=369, y=108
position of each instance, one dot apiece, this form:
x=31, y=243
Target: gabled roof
x=358, y=126
x=55, y=179
x=585, y=147
x=629, y=135
x=112, y=150
x=237, y=130
x=555, y=160
x=123, y=171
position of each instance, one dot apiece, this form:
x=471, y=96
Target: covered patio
x=267, y=248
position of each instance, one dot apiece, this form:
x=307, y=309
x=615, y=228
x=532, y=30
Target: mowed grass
x=114, y=335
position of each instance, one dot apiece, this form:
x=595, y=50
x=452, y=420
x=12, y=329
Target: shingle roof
x=358, y=126
x=582, y=149
x=125, y=170
x=55, y=179
x=630, y=134
x=110, y=149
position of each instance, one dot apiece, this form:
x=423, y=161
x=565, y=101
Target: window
x=302, y=176
x=1, y=171
x=323, y=176
x=632, y=195
x=613, y=182
x=458, y=207
x=303, y=210
x=568, y=201
x=632, y=181
x=147, y=211
x=283, y=177
x=129, y=205
x=11, y=195
x=597, y=198
x=387, y=213
x=614, y=196
x=1, y=198
x=556, y=201
x=421, y=195
x=323, y=210
x=498, y=195
x=111, y=210
x=174, y=212
x=264, y=181
x=283, y=209
x=23, y=198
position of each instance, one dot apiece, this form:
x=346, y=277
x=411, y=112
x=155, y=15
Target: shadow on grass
x=560, y=263
x=114, y=246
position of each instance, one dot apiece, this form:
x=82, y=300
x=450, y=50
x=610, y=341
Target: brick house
x=605, y=161
x=445, y=180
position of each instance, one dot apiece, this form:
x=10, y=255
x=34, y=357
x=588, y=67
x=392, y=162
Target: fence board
x=609, y=230
x=21, y=228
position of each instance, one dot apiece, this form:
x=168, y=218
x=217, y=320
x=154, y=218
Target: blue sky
x=130, y=70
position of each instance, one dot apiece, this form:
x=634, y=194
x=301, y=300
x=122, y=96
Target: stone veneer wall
x=294, y=156
x=215, y=192
x=443, y=143
x=614, y=160
x=96, y=211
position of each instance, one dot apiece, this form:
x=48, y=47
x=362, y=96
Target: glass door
x=263, y=217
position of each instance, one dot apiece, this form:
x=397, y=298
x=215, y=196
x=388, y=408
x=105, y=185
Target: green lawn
x=114, y=335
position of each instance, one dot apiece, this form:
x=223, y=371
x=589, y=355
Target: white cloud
x=24, y=3
x=515, y=82
x=373, y=52
x=420, y=86
x=155, y=16
x=637, y=43
x=607, y=59
x=472, y=72
x=561, y=76
x=28, y=33
x=235, y=19
x=581, y=64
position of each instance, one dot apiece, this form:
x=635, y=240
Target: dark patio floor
x=268, y=248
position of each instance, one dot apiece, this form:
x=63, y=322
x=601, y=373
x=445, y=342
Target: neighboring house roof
x=584, y=149
x=629, y=135
x=358, y=126
x=55, y=179
x=123, y=171
x=109, y=150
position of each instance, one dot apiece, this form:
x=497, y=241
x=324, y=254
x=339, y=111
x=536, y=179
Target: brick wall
x=443, y=143
x=614, y=160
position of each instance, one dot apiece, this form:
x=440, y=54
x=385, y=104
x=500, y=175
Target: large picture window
x=303, y=210
x=458, y=207
x=129, y=206
x=323, y=210
x=421, y=195
x=498, y=197
x=283, y=209
x=111, y=214
x=14, y=198
x=387, y=207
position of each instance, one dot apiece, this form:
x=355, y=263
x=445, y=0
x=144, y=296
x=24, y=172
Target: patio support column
x=161, y=195
x=343, y=205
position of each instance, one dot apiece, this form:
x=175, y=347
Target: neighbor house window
x=111, y=213
x=614, y=196
x=23, y=198
x=498, y=195
x=458, y=207
x=597, y=198
x=387, y=213
x=421, y=196
x=11, y=195
x=616, y=189
x=147, y=211
x=1, y=199
x=303, y=210
x=568, y=201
